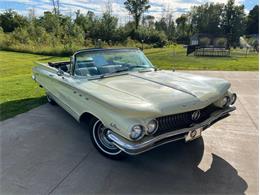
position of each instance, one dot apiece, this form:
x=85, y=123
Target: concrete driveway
x=45, y=151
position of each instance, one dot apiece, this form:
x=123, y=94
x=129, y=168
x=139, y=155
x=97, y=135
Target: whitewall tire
x=101, y=142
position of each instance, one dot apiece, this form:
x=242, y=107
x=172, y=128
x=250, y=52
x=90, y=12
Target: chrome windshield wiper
x=109, y=74
x=138, y=66
x=116, y=71
x=120, y=70
x=146, y=70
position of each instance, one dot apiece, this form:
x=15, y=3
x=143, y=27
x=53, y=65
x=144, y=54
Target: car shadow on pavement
x=60, y=158
x=11, y=108
x=169, y=169
x=173, y=169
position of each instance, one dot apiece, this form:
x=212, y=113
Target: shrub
x=21, y=35
x=150, y=36
x=220, y=42
x=204, y=41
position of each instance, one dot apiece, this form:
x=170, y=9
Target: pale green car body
x=131, y=98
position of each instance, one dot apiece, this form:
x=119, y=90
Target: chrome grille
x=182, y=120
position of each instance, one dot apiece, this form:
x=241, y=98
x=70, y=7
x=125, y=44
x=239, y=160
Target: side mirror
x=155, y=68
x=60, y=72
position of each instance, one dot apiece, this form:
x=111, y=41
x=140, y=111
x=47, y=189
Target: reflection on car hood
x=164, y=91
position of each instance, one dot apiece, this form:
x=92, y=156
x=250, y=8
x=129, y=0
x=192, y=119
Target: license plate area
x=194, y=134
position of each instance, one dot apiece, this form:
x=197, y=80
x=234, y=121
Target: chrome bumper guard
x=148, y=143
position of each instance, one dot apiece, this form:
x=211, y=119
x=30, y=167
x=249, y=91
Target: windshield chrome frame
x=74, y=57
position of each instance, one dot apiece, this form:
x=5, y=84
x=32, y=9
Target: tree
x=108, y=25
x=137, y=8
x=148, y=21
x=252, y=26
x=73, y=34
x=86, y=22
x=56, y=6
x=167, y=25
x=50, y=22
x=171, y=30
x=184, y=28
x=10, y=20
x=31, y=14
x=206, y=18
x=233, y=22
x=161, y=25
x=170, y=27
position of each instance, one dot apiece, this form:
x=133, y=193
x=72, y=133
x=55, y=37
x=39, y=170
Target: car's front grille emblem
x=184, y=120
x=195, y=115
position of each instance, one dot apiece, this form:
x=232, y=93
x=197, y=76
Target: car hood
x=163, y=91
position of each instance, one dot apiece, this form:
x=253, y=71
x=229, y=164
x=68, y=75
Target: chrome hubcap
x=101, y=132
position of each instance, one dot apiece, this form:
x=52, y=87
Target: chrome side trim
x=148, y=143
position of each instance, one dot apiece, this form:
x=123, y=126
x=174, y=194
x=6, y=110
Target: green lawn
x=168, y=59
x=19, y=93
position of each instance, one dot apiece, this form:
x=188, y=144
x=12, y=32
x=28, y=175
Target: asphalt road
x=45, y=151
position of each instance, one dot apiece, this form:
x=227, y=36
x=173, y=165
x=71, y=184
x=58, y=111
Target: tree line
x=53, y=30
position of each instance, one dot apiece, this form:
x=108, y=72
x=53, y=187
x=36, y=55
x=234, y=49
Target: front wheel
x=101, y=142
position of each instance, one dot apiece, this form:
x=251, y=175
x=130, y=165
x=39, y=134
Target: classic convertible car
x=130, y=106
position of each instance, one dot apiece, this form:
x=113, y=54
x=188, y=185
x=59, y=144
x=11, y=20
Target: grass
x=168, y=59
x=18, y=92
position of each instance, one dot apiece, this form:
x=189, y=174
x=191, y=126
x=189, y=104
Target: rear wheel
x=50, y=100
x=101, y=142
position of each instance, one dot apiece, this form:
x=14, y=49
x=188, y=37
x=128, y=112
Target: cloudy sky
x=177, y=7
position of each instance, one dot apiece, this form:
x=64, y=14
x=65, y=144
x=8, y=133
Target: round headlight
x=136, y=132
x=224, y=101
x=233, y=98
x=152, y=126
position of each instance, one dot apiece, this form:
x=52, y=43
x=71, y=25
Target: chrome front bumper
x=148, y=143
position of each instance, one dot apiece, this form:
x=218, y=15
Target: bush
x=54, y=34
x=220, y=42
x=21, y=35
x=150, y=36
x=183, y=40
x=204, y=41
x=134, y=43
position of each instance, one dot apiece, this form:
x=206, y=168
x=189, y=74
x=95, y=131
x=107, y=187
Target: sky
x=68, y=7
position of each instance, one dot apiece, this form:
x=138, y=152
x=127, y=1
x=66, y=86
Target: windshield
x=106, y=62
